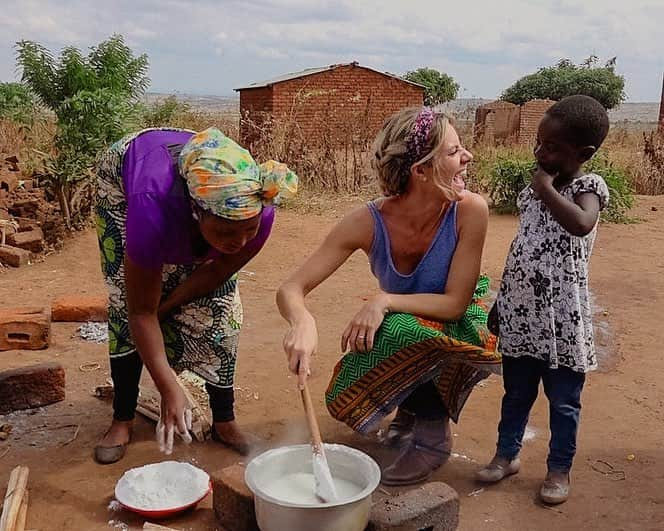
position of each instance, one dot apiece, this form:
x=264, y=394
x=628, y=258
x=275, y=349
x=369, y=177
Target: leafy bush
x=95, y=101
x=16, y=103
x=509, y=175
x=621, y=197
x=567, y=79
x=512, y=172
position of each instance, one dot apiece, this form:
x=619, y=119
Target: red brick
x=232, y=500
x=32, y=240
x=27, y=224
x=24, y=328
x=80, y=308
x=14, y=256
x=434, y=507
x=8, y=179
x=30, y=387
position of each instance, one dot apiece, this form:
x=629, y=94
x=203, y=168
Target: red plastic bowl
x=165, y=513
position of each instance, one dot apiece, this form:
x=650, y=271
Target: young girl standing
x=543, y=311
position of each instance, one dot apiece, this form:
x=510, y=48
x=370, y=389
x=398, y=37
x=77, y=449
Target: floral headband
x=418, y=136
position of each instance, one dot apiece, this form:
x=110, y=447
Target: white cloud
x=213, y=45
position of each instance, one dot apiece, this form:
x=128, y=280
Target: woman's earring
x=194, y=215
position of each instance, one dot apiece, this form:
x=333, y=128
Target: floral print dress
x=544, y=307
x=201, y=336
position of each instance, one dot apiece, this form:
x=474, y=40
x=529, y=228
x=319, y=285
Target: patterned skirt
x=409, y=351
x=201, y=336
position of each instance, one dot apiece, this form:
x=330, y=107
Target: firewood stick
x=14, y=498
x=11, y=487
x=148, y=412
x=23, y=513
x=157, y=527
x=17, y=498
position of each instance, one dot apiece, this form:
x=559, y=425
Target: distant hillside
x=203, y=103
x=462, y=109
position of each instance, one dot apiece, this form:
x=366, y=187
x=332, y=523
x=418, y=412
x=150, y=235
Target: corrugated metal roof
x=312, y=71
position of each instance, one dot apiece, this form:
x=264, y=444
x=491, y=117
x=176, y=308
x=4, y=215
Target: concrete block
x=80, y=308
x=24, y=328
x=30, y=387
x=232, y=500
x=32, y=240
x=431, y=507
x=14, y=256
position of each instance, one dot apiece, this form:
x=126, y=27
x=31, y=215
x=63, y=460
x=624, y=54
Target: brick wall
x=497, y=121
x=257, y=105
x=501, y=121
x=335, y=105
x=531, y=115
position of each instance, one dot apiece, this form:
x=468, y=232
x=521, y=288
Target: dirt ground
x=622, y=423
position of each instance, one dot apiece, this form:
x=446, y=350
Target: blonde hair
x=391, y=160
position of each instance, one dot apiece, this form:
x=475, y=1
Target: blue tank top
x=430, y=275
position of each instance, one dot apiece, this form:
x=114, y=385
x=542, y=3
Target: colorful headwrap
x=224, y=179
x=417, y=139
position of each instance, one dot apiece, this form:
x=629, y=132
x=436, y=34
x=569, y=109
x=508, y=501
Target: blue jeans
x=562, y=386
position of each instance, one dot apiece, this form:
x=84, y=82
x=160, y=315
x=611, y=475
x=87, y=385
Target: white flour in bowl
x=160, y=486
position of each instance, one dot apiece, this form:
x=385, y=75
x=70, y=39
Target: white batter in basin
x=275, y=499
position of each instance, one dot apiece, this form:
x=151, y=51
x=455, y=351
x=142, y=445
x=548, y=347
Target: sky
x=213, y=46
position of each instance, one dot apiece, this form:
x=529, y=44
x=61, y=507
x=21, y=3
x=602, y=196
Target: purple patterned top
x=159, y=224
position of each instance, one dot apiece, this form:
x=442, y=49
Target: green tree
x=566, y=79
x=439, y=87
x=95, y=99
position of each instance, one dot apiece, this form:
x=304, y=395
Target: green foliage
x=95, y=99
x=567, y=79
x=440, y=87
x=16, y=103
x=511, y=172
x=165, y=112
x=621, y=196
x=509, y=175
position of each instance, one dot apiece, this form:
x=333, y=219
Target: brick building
x=503, y=122
x=328, y=103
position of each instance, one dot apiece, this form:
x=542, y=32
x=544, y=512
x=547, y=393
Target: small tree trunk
x=64, y=204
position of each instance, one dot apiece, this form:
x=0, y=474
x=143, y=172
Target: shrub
x=511, y=172
x=509, y=175
x=620, y=189
x=17, y=103
x=165, y=112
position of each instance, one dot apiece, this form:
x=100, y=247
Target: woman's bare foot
x=229, y=434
